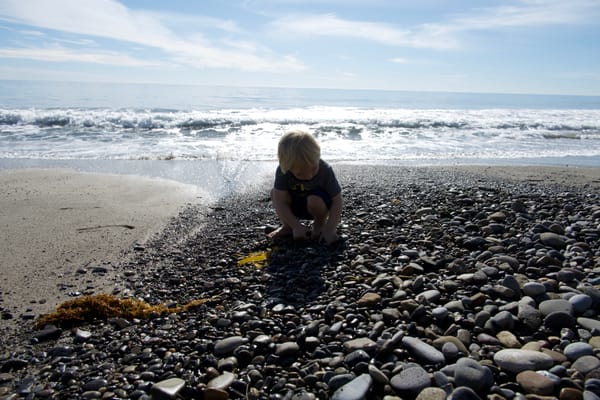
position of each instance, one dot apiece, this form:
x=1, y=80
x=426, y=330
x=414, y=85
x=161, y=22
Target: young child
x=305, y=189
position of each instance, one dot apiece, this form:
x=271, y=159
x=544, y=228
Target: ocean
x=168, y=131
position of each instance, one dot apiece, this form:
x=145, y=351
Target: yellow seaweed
x=258, y=259
x=105, y=306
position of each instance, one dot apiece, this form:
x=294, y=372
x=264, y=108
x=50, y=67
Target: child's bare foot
x=281, y=232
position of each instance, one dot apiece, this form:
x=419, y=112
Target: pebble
x=356, y=389
x=581, y=303
x=472, y=374
x=589, y=323
x=423, y=351
x=577, y=349
x=464, y=393
x=432, y=393
x=517, y=360
x=222, y=382
x=534, y=383
x=228, y=345
x=547, y=307
x=553, y=240
x=167, y=389
x=586, y=364
x=410, y=381
x=534, y=289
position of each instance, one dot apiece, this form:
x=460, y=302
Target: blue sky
x=513, y=46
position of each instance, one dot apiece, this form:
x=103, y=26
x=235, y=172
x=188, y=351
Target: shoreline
x=427, y=248
x=65, y=231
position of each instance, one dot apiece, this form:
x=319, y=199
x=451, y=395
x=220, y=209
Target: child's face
x=305, y=172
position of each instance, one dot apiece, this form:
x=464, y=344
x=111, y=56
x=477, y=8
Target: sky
x=512, y=46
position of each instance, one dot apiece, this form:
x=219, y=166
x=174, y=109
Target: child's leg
x=318, y=209
x=280, y=232
x=284, y=229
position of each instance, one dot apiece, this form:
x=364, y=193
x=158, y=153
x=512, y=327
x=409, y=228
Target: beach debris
x=105, y=306
x=98, y=227
x=258, y=259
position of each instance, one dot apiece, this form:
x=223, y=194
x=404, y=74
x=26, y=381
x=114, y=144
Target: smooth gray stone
x=474, y=375
x=517, y=360
x=167, y=389
x=578, y=349
x=356, y=357
x=340, y=380
x=534, y=289
x=450, y=351
x=553, y=240
x=559, y=319
x=423, y=351
x=222, y=381
x=586, y=364
x=378, y=375
x=529, y=314
x=581, y=303
x=463, y=393
x=587, y=395
x=365, y=344
x=228, y=345
x=589, y=323
x=356, y=389
x=593, y=385
x=432, y=393
x=593, y=292
x=440, y=313
x=549, y=306
x=410, y=381
x=94, y=384
x=503, y=321
x=429, y=296
x=287, y=349
x=511, y=282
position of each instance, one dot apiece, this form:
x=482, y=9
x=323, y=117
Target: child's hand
x=329, y=236
x=301, y=233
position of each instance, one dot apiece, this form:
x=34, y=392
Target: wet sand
x=65, y=232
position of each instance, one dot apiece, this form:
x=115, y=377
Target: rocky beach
x=460, y=282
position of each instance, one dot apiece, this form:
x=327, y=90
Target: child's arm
x=329, y=233
x=281, y=202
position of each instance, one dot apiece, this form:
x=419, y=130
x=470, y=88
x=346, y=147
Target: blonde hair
x=297, y=149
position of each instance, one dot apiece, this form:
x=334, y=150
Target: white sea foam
x=346, y=133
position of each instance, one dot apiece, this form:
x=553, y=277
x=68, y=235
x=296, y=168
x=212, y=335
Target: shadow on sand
x=296, y=271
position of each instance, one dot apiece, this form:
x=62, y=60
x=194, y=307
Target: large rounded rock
x=517, y=360
x=423, y=351
x=535, y=383
x=410, y=381
x=356, y=389
x=474, y=375
x=553, y=240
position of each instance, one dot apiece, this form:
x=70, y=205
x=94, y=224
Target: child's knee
x=316, y=206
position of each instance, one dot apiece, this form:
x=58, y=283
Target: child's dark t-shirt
x=324, y=180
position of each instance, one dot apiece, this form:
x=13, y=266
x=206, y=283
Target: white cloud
x=443, y=34
x=110, y=19
x=528, y=13
x=331, y=25
x=399, y=60
x=59, y=54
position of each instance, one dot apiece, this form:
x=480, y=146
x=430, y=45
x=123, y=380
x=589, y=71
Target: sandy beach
x=432, y=255
x=64, y=233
